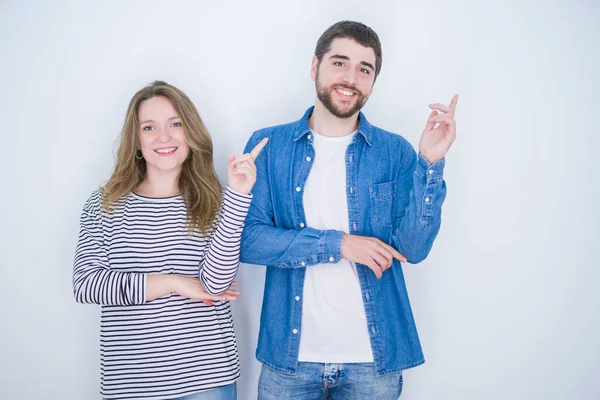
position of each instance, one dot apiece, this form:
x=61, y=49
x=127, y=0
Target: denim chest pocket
x=382, y=203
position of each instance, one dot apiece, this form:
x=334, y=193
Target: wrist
x=430, y=159
x=343, y=242
x=238, y=191
x=172, y=283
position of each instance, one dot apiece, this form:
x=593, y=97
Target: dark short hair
x=356, y=31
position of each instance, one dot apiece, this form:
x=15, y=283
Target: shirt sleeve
x=221, y=260
x=93, y=280
x=265, y=244
x=419, y=210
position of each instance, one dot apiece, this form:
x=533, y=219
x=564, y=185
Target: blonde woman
x=158, y=250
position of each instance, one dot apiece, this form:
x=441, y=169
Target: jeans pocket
x=382, y=203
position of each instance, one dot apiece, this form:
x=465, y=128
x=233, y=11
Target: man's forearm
x=288, y=248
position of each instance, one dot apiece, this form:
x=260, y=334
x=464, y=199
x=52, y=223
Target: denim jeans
x=318, y=381
x=228, y=392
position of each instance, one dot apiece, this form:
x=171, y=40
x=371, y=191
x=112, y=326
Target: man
x=338, y=204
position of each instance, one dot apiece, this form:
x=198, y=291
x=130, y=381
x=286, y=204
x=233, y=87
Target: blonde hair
x=198, y=181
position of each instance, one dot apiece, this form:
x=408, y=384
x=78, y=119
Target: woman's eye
x=177, y=124
x=147, y=128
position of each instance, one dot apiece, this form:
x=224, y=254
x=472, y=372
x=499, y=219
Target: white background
x=506, y=304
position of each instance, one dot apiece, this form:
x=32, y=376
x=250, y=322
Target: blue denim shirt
x=393, y=195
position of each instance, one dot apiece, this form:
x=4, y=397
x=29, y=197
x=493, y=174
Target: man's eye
x=365, y=71
x=338, y=64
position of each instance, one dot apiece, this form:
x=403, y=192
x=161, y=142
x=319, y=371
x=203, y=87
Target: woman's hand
x=192, y=288
x=159, y=285
x=241, y=171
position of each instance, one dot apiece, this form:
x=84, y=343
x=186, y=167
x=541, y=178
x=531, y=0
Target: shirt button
x=303, y=264
x=308, y=158
x=297, y=298
x=301, y=224
x=298, y=189
x=426, y=199
x=430, y=171
x=331, y=259
x=294, y=331
x=309, y=137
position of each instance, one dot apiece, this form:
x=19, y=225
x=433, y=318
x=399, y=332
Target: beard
x=325, y=95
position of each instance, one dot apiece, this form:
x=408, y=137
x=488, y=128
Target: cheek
x=366, y=85
x=183, y=145
x=144, y=140
x=185, y=148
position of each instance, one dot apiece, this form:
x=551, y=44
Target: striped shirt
x=171, y=346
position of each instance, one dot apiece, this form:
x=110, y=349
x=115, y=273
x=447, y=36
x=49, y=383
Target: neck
x=159, y=184
x=327, y=124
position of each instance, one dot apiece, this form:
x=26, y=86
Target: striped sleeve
x=221, y=261
x=93, y=280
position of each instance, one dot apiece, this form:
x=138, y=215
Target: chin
x=167, y=167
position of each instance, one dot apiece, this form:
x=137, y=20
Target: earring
x=138, y=154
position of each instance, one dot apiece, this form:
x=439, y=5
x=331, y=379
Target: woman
x=159, y=249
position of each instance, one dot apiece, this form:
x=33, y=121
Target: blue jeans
x=228, y=392
x=320, y=381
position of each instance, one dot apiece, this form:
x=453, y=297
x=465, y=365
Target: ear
x=313, y=68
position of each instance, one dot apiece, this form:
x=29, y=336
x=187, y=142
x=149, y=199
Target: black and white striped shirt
x=171, y=346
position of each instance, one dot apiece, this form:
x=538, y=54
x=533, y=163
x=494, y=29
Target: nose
x=350, y=77
x=163, y=134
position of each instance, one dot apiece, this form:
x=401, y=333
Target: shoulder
x=395, y=146
x=275, y=131
x=94, y=206
x=385, y=137
x=279, y=136
x=393, y=141
x=94, y=203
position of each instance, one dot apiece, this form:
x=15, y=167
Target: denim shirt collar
x=364, y=127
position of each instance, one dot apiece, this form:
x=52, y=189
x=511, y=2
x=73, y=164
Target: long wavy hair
x=198, y=182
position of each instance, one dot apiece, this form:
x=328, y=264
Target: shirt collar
x=364, y=127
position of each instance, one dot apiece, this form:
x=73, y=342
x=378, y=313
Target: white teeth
x=165, y=151
x=345, y=92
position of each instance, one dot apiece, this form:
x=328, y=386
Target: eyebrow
x=342, y=57
x=151, y=120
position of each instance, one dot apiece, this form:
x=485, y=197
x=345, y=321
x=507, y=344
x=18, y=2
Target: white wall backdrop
x=507, y=302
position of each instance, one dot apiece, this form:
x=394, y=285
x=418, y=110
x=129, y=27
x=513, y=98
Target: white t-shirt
x=334, y=324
